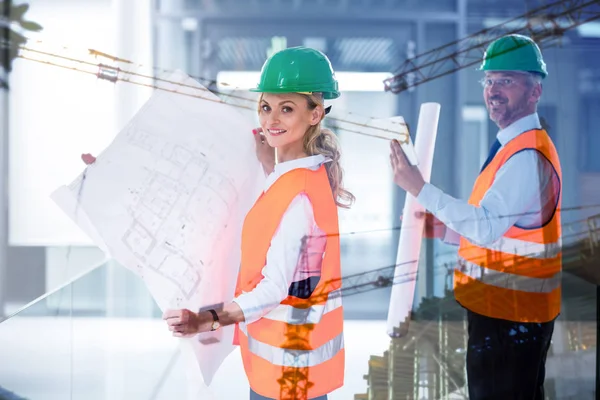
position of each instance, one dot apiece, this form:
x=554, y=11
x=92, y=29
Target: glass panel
x=430, y=361
x=65, y=347
x=36, y=349
x=60, y=347
x=176, y=48
x=591, y=138
x=371, y=218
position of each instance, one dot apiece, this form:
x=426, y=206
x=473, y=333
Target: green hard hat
x=298, y=70
x=514, y=53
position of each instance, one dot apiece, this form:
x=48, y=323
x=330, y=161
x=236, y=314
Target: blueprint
x=166, y=199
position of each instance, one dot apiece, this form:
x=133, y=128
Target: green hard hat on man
x=298, y=70
x=514, y=53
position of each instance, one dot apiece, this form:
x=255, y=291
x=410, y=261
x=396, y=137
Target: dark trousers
x=256, y=396
x=506, y=360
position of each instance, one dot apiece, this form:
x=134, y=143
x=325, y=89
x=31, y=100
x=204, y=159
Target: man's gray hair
x=533, y=78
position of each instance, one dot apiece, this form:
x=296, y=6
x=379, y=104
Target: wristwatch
x=215, y=325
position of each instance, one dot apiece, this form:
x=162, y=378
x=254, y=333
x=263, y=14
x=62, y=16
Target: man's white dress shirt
x=524, y=192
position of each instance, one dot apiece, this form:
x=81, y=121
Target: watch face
x=215, y=325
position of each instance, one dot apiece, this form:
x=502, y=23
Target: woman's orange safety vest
x=298, y=346
x=517, y=278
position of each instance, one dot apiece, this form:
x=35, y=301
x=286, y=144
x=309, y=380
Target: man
x=508, y=275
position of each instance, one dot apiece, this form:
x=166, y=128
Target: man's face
x=509, y=96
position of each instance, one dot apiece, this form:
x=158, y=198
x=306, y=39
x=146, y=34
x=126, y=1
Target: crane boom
x=543, y=24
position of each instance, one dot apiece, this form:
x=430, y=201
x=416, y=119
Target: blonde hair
x=323, y=141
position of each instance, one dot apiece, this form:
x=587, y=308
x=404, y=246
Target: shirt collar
x=304, y=162
x=527, y=123
x=310, y=162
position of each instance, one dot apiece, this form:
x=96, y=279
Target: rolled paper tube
x=411, y=234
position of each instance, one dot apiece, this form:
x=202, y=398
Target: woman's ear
x=316, y=115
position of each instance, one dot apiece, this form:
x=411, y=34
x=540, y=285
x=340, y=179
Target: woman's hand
x=88, y=158
x=185, y=323
x=264, y=152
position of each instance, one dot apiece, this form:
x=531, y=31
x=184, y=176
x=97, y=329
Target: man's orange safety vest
x=302, y=338
x=517, y=278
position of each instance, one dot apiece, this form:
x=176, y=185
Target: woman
x=288, y=305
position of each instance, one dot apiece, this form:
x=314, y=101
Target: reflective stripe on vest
x=317, y=380
x=311, y=315
x=518, y=277
x=510, y=281
x=293, y=358
x=523, y=248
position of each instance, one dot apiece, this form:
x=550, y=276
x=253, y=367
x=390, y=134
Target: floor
x=138, y=359
x=130, y=359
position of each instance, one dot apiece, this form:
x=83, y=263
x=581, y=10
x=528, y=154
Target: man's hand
x=264, y=152
x=88, y=158
x=434, y=228
x=407, y=176
x=185, y=323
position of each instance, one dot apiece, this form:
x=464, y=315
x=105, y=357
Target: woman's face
x=285, y=118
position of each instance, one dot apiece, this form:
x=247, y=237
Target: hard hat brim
x=326, y=95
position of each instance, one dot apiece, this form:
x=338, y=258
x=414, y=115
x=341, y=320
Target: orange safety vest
x=517, y=278
x=299, y=344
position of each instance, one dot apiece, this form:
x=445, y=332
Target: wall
x=367, y=174
x=55, y=115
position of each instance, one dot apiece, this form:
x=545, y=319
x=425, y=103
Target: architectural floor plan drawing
x=166, y=199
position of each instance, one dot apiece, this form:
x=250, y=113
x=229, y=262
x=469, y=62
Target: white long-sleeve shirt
x=296, y=242
x=524, y=193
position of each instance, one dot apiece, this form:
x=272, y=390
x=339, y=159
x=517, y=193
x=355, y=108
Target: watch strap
x=214, y=315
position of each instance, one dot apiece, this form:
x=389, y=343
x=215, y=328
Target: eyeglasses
x=502, y=82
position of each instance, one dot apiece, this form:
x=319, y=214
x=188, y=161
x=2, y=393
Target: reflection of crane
x=295, y=380
x=430, y=362
x=104, y=67
x=543, y=24
x=384, y=277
